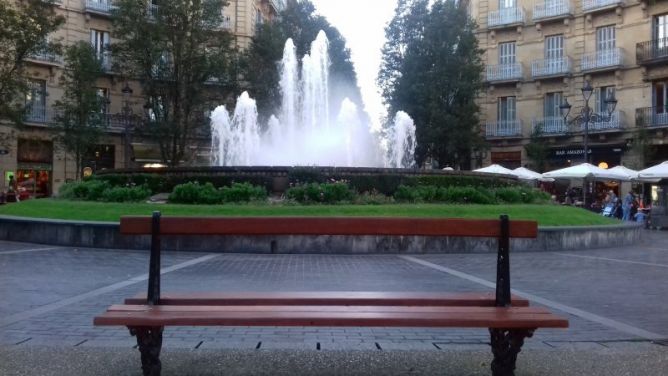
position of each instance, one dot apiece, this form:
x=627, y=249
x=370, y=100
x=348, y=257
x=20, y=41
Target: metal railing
x=551, y=67
x=602, y=59
x=552, y=8
x=590, y=5
x=550, y=125
x=653, y=50
x=99, y=6
x=46, y=56
x=38, y=114
x=105, y=61
x=599, y=126
x=504, y=128
x=279, y=5
x=652, y=116
x=506, y=16
x=504, y=72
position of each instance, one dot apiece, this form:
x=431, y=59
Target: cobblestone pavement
x=50, y=295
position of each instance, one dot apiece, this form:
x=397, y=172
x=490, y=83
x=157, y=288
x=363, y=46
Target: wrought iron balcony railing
x=505, y=17
x=615, y=122
x=652, y=116
x=504, y=128
x=105, y=61
x=99, y=6
x=504, y=72
x=593, y=5
x=551, y=67
x=550, y=125
x=602, y=59
x=45, y=56
x=38, y=114
x=552, y=9
x=653, y=51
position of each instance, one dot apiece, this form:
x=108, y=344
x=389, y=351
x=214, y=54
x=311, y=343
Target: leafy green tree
x=537, y=150
x=184, y=60
x=300, y=22
x=80, y=117
x=24, y=28
x=432, y=69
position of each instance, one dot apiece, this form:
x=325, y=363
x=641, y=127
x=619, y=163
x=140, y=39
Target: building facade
x=31, y=154
x=540, y=53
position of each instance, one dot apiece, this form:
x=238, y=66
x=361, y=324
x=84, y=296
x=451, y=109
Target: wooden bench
x=147, y=315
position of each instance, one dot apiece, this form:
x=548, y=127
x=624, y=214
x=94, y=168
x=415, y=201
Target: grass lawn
x=546, y=215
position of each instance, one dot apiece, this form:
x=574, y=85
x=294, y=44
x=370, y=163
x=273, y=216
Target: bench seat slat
x=331, y=298
x=293, y=308
x=136, y=225
x=485, y=318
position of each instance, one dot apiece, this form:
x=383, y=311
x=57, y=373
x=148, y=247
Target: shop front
x=507, y=159
x=34, y=168
x=100, y=157
x=606, y=156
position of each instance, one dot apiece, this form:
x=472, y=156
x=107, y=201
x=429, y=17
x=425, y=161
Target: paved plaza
x=616, y=300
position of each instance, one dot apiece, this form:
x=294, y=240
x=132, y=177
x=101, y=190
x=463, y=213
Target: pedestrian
x=627, y=203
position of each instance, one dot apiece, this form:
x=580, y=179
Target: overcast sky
x=362, y=23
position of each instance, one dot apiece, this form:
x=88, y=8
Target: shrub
x=126, y=194
x=89, y=190
x=242, y=192
x=195, y=193
x=326, y=193
x=509, y=195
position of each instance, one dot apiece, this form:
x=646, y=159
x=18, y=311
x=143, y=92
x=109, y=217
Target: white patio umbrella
x=526, y=174
x=632, y=174
x=586, y=171
x=495, y=169
x=654, y=173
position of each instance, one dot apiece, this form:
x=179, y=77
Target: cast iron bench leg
x=149, y=342
x=506, y=344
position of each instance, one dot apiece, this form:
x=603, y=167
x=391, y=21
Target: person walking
x=627, y=203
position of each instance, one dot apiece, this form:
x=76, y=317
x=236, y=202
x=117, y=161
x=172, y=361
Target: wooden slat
x=294, y=308
x=326, y=226
x=330, y=298
x=490, y=318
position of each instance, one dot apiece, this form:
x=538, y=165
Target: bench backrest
x=501, y=229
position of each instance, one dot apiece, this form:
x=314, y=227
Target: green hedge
x=470, y=195
x=325, y=193
x=161, y=183
x=95, y=190
x=196, y=193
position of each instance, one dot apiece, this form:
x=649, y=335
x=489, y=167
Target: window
x=554, y=47
x=36, y=101
x=551, y=105
x=103, y=95
x=601, y=94
x=661, y=30
x=506, y=53
x=504, y=4
x=506, y=110
x=100, y=42
x=660, y=97
x=605, y=38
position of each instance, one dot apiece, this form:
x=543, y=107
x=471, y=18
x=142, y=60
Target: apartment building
x=38, y=163
x=540, y=53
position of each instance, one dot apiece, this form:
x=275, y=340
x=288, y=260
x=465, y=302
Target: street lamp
x=586, y=115
x=127, y=120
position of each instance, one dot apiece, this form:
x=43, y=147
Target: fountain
x=304, y=133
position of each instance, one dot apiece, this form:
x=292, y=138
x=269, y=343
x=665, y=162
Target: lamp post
x=127, y=120
x=586, y=115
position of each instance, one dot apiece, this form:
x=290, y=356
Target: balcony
x=504, y=129
x=550, y=126
x=652, y=117
x=38, y=114
x=589, y=6
x=551, y=67
x=552, y=10
x=505, y=18
x=99, y=7
x=615, y=123
x=105, y=61
x=602, y=60
x=504, y=73
x=46, y=57
x=278, y=5
x=652, y=52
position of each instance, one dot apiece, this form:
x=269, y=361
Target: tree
x=537, y=150
x=184, y=60
x=24, y=29
x=300, y=22
x=80, y=112
x=432, y=69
